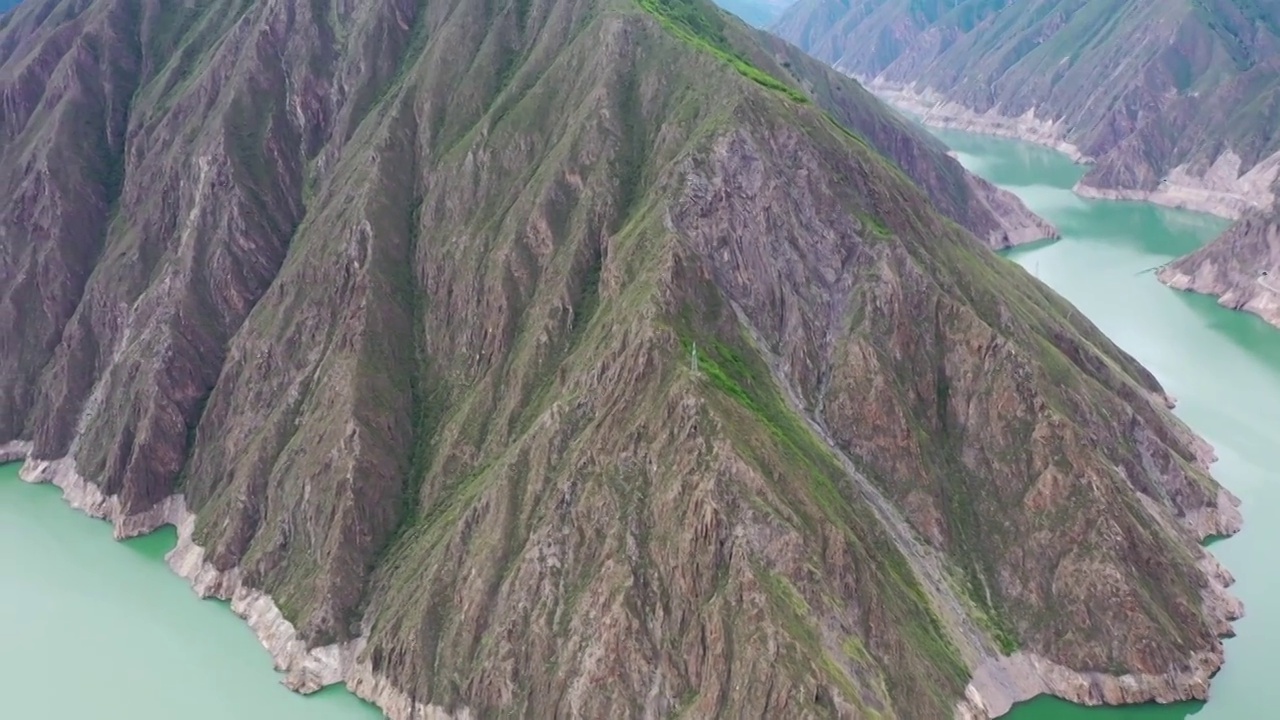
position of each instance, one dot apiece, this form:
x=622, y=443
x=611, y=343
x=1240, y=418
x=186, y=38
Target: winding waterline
x=1223, y=367
x=93, y=628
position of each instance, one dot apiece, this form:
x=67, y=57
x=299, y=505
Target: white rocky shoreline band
x=306, y=669
x=998, y=683
x=1222, y=190
x=1210, y=279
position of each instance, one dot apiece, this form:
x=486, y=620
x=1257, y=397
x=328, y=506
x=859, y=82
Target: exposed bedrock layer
x=1241, y=267
x=1171, y=101
x=576, y=358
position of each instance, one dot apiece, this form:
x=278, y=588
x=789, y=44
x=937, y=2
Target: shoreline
x=997, y=684
x=306, y=670
x=935, y=110
x=1265, y=306
x=1214, y=193
x=1220, y=191
x=1001, y=683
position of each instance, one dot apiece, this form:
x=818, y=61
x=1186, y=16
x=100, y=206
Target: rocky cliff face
x=577, y=358
x=1241, y=268
x=1173, y=101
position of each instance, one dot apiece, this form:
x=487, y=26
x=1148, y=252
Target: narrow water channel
x=1222, y=366
x=93, y=628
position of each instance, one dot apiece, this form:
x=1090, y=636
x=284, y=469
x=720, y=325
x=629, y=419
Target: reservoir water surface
x=94, y=628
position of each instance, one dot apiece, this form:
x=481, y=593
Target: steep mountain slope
x=985, y=210
x=1241, y=267
x=1175, y=101
x=577, y=358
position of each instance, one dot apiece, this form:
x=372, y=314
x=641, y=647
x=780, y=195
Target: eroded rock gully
x=529, y=358
x=1141, y=90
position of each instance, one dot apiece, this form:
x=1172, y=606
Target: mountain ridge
x=1155, y=130
x=1184, y=115
x=578, y=358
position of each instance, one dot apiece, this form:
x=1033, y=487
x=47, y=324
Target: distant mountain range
x=1173, y=101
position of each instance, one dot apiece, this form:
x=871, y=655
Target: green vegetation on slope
x=497, y=247
x=788, y=452
x=702, y=26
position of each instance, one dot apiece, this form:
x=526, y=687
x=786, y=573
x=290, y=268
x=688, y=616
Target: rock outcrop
x=1241, y=268
x=1171, y=102
x=577, y=358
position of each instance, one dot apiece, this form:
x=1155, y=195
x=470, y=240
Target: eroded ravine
x=1222, y=366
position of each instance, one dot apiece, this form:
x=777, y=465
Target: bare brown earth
x=578, y=358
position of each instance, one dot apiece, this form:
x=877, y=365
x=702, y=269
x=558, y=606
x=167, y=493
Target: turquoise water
x=93, y=628
x=1223, y=366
